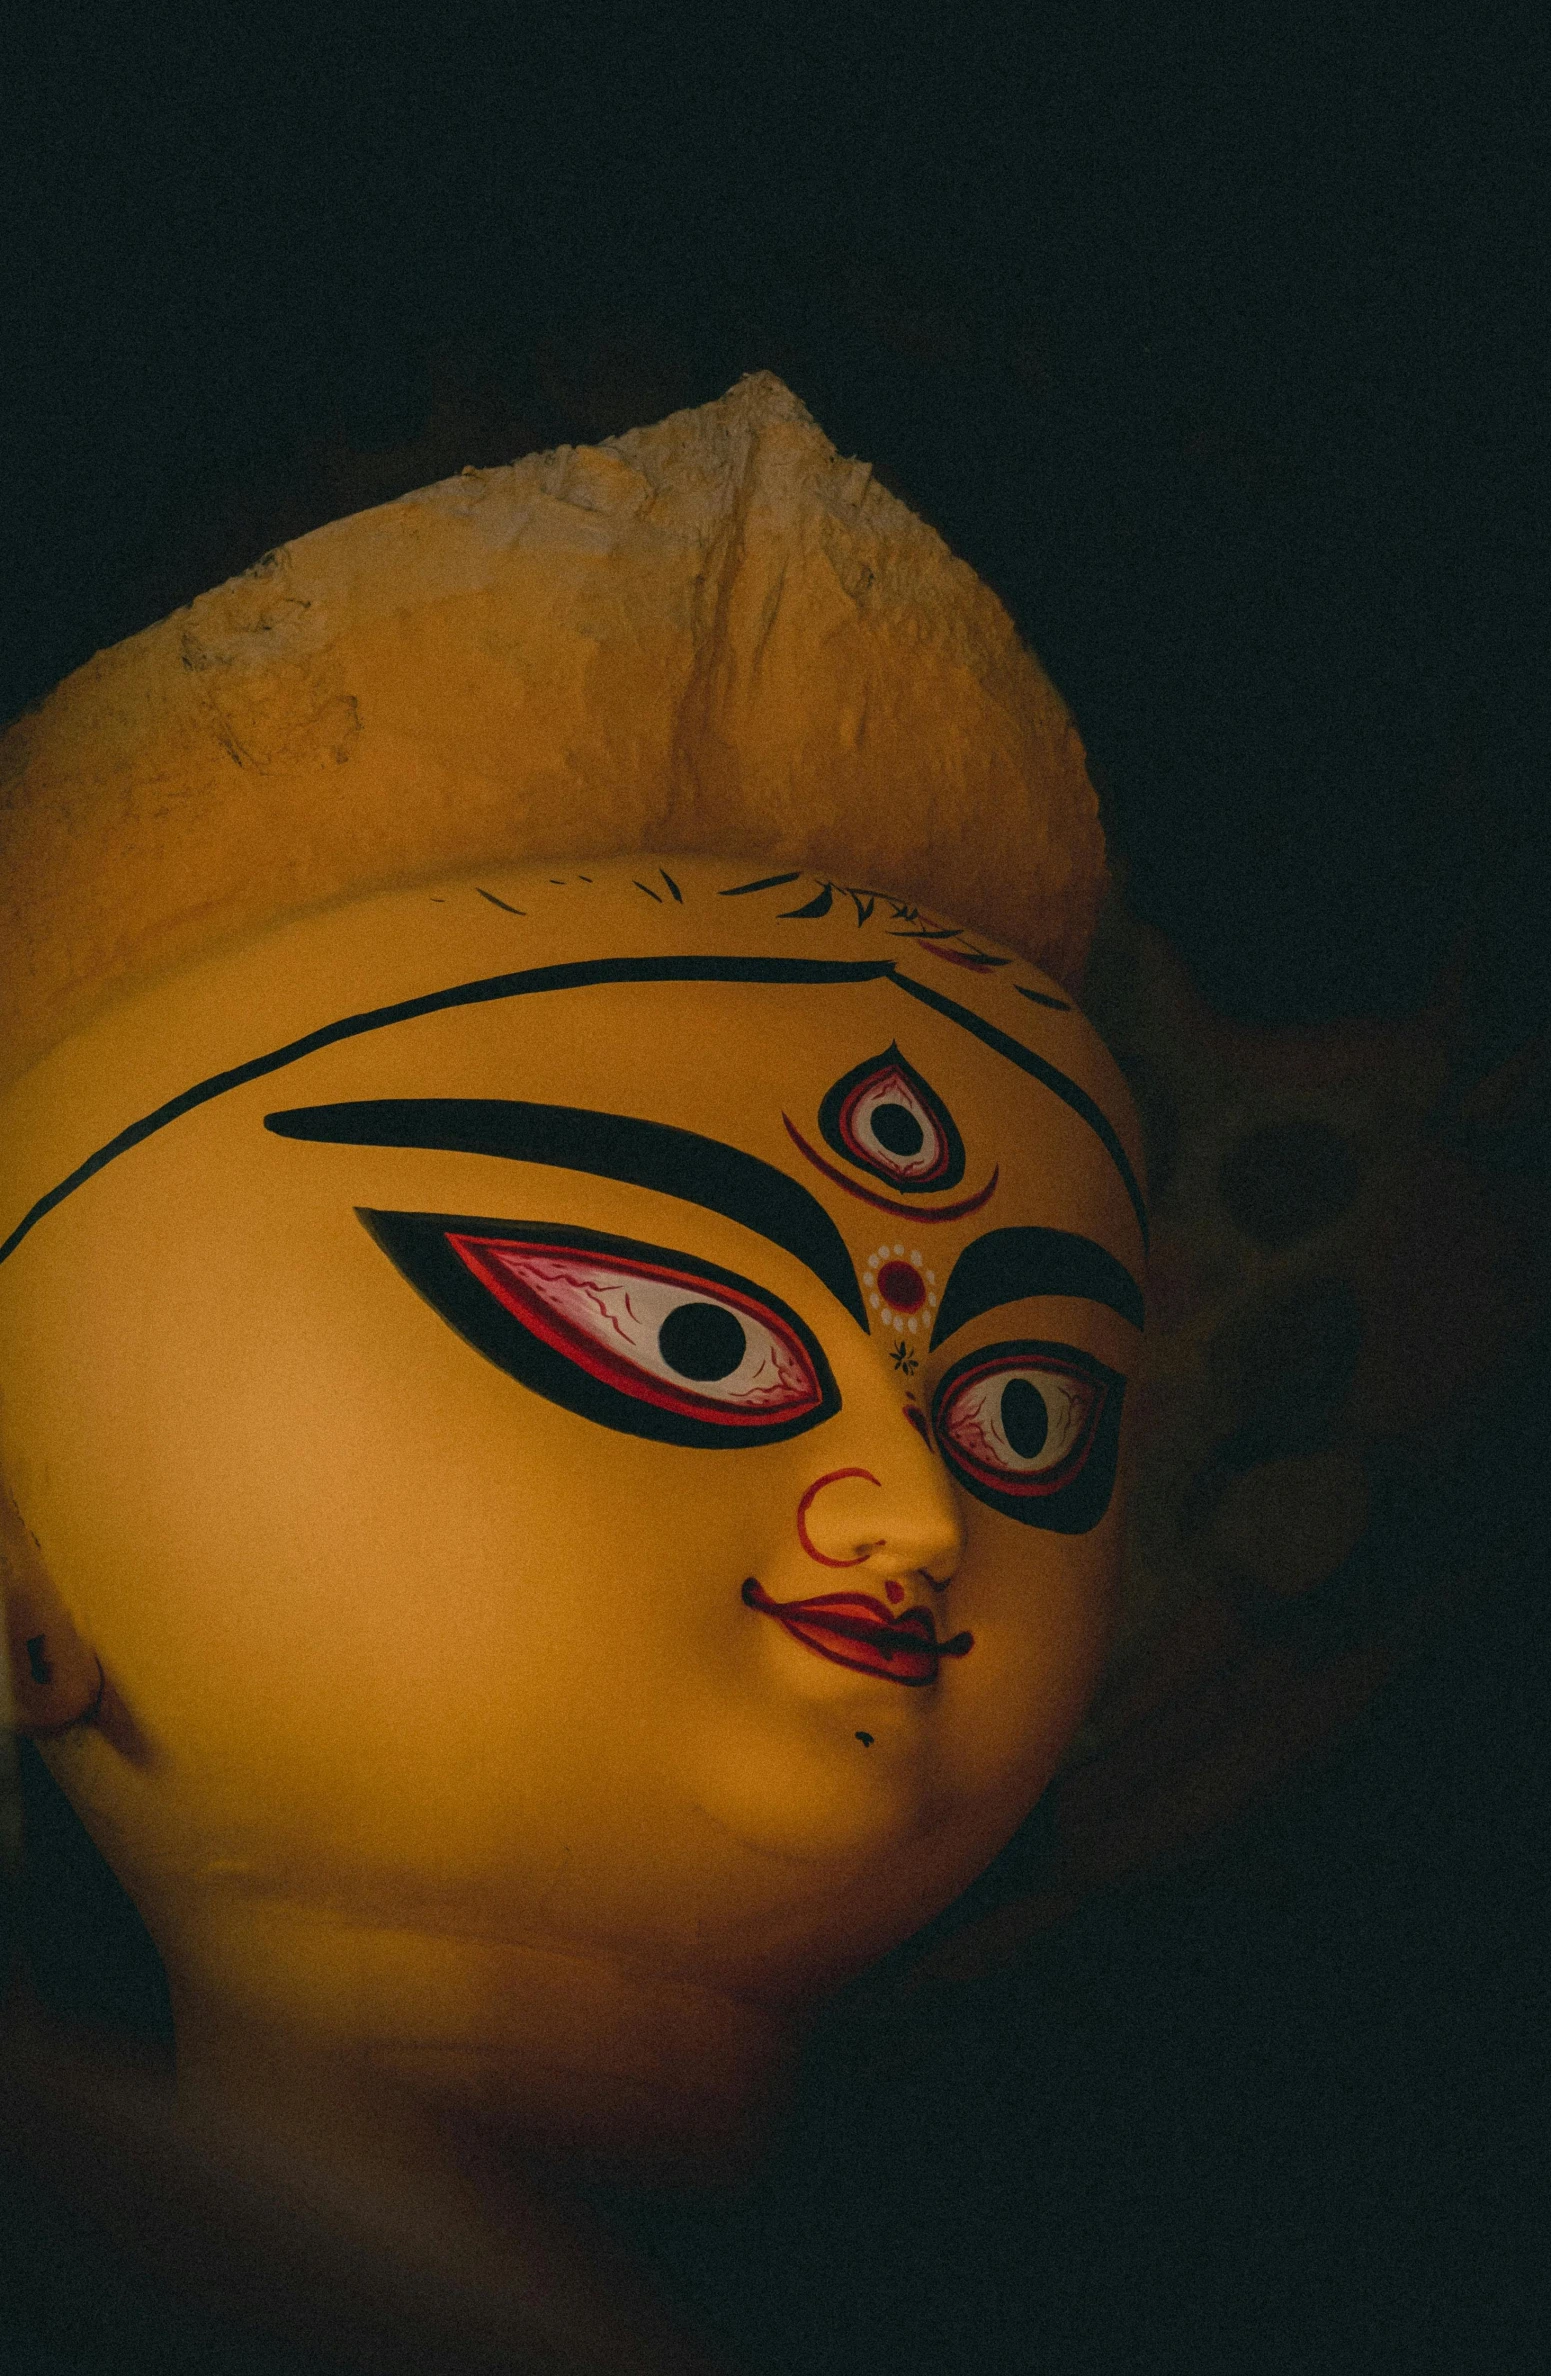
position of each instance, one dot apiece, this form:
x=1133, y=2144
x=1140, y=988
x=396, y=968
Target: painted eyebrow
x=620, y=1147
x=1007, y=1264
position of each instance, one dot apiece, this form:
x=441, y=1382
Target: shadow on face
x=599, y=1452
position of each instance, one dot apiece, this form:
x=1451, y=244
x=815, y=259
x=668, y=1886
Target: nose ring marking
x=832, y=1477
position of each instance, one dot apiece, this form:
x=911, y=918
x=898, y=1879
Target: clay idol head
x=570, y=1267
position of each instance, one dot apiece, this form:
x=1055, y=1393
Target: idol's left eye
x=639, y=1338
x=1032, y=1429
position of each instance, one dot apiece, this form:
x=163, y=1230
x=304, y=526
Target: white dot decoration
x=890, y=1317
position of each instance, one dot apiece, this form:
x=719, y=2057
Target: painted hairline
x=587, y=974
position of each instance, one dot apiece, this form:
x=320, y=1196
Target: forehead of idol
x=500, y=1124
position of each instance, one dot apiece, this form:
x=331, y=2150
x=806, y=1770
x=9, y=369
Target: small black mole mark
x=42, y=1672
x=865, y=1739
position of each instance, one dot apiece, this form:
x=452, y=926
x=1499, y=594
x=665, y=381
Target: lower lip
x=851, y=1638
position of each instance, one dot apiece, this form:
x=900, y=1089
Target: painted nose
x=902, y=1525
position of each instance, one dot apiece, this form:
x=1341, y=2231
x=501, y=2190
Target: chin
x=840, y=1793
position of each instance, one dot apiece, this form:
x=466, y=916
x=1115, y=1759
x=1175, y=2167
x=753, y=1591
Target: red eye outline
x=519, y=1333
x=1021, y=1481
x=617, y=1370
x=889, y=1086
x=1072, y=1495
x=885, y=1073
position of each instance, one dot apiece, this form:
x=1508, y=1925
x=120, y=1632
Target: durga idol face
x=582, y=1412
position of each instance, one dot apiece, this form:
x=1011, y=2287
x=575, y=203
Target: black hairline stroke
x=580, y=974
x=1081, y=1104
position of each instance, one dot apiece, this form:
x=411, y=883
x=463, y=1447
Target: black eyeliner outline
x=622, y=1147
x=583, y=974
x=416, y=1243
x=1005, y=1266
x=836, y=1095
x=1078, y=1507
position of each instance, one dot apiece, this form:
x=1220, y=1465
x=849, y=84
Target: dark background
x=1212, y=342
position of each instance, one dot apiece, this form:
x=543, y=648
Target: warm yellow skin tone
x=436, y=1735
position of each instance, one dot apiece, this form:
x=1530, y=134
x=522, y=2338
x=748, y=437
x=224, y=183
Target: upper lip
x=858, y=1612
x=856, y=1616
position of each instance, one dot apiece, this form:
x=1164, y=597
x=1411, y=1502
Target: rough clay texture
x=712, y=634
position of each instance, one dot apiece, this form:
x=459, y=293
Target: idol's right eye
x=639, y=1338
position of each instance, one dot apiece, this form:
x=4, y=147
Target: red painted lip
x=856, y=1631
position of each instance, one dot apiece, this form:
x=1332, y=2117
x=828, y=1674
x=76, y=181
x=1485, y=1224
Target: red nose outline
x=830, y=1478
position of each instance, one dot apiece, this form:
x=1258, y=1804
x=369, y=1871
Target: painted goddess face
x=579, y=1406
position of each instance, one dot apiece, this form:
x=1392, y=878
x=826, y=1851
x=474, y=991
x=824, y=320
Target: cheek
x=1042, y=1609
x=303, y=1519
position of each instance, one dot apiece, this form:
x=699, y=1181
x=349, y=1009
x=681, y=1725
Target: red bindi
x=901, y=1286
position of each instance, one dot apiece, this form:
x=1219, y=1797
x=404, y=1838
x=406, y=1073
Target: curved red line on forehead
x=962, y=957
x=886, y=1204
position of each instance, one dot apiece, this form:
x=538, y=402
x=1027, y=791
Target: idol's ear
x=56, y=1679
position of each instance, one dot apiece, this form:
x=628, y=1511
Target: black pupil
x=895, y=1127
x=702, y=1340
x=1025, y=1420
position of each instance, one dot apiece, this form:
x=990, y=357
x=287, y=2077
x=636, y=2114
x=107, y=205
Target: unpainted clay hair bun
x=714, y=634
